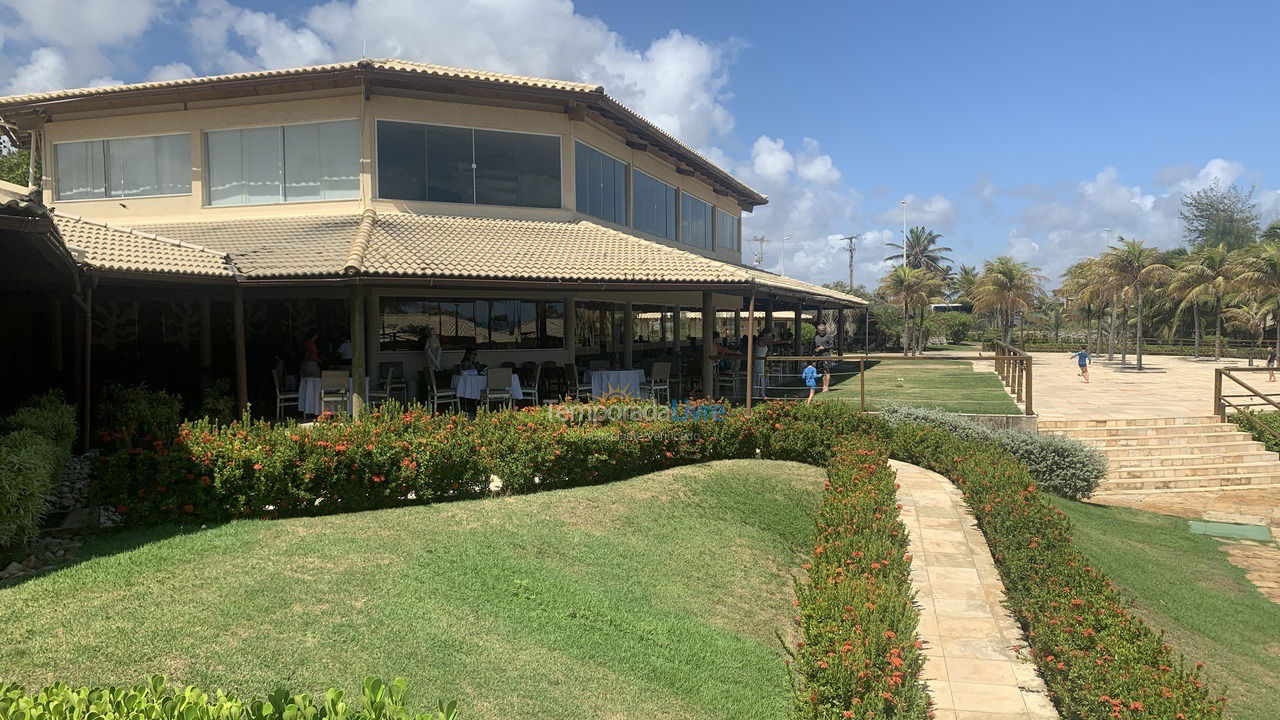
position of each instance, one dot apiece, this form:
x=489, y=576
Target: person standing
x=761, y=351
x=1082, y=357
x=810, y=376
x=1271, y=364
x=822, y=344
x=431, y=350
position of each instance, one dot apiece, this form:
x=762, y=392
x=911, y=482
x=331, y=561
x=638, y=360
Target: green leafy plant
x=33, y=450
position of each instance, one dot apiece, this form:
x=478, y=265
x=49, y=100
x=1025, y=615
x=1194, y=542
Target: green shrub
x=1263, y=426
x=956, y=326
x=48, y=416
x=29, y=467
x=129, y=413
x=156, y=701
x=1061, y=465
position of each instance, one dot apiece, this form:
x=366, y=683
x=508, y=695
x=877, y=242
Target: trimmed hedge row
x=34, y=449
x=1061, y=465
x=1098, y=659
x=156, y=701
x=1263, y=426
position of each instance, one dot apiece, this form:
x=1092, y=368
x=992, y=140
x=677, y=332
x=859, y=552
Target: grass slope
x=1184, y=585
x=948, y=384
x=658, y=597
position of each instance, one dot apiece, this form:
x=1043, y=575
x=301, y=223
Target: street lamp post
x=782, y=255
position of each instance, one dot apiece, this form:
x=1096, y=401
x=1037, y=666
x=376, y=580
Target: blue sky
x=1011, y=127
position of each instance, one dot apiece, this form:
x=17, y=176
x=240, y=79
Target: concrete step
x=1124, y=441
x=1125, y=422
x=1236, y=447
x=1270, y=467
x=1212, y=458
x=1214, y=428
x=1266, y=480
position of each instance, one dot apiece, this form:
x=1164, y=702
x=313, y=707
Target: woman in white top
x=431, y=350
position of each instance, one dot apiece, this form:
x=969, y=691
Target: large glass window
x=727, y=231
x=446, y=164
x=695, y=222
x=482, y=324
x=125, y=167
x=653, y=205
x=601, y=183
x=293, y=163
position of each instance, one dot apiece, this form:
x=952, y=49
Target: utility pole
x=758, y=260
x=850, y=248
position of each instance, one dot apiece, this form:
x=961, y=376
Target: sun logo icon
x=616, y=392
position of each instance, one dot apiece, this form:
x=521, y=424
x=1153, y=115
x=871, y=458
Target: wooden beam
x=576, y=111
x=242, y=369
x=708, y=358
x=636, y=144
x=358, y=364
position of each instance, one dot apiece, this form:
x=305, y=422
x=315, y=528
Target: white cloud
x=935, y=212
x=79, y=32
x=815, y=167
x=46, y=70
x=171, y=71
x=770, y=160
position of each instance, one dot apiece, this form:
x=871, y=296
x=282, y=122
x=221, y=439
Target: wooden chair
x=335, y=389
x=659, y=382
x=574, y=387
x=497, y=387
x=284, y=398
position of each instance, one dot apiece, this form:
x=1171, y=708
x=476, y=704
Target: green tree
x=1135, y=266
x=962, y=284
x=14, y=166
x=1220, y=216
x=1204, y=276
x=921, y=251
x=1259, y=274
x=1007, y=288
x=913, y=289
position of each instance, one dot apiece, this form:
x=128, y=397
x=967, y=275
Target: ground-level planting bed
x=657, y=597
x=1184, y=585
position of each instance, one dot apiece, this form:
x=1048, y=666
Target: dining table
x=609, y=384
x=309, y=391
x=472, y=386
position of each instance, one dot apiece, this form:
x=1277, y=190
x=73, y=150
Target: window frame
x=540, y=314
x=57, y=181
x=631, y=200
x=711, y=231
x=376, y=190
x=627, y=218
x=715, y=230
x=204, y=161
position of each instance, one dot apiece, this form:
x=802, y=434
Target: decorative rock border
x=972, y=669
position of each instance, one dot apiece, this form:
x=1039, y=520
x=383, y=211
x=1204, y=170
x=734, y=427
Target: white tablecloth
x=309, y=394
x=616, y=383
x=471, y=386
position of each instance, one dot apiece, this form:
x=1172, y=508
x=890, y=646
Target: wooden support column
x=359, y=369
x=840, y=331
x=751, y=342
x=206, y=335
x=55, y=335
x=797, y=324
x=570, y=330
x=242, y=370
x=628, y=327
x=708, y=359
x=86, y=354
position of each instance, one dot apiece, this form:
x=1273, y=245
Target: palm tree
x=1252, y=317
x=921, y=250
x=1090, y=293
x=912, y=288
x=1258, y=273
x=1135, y=265
x=1204, y=276
x=1007, y=288
x=962, y=283
x=1052, y=311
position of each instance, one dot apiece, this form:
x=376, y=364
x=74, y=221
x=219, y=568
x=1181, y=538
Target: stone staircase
x=1173, y=453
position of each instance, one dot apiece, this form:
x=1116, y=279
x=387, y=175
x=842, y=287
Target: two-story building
x=213, y=226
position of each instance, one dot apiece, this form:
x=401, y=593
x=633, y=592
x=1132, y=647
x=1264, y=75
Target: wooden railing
x=1014, y=368
x=1226, y=402
x=1012, y=365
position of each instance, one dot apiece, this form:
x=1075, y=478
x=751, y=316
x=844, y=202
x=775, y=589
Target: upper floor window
x=727, y=231
x=124, y=167
x=601, y=183
x=292, y=163
x=653, y=205
x=462, y=165
x=461, y=324
x=695, y=222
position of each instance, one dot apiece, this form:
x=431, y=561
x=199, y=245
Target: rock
x=13, y=568
x=31, y=563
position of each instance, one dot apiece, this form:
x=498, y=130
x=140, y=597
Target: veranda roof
x=405, y=245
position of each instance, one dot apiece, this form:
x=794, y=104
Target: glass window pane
x=402, y=161
x=481, y=318
x=131, y=167
x=653, y=205
x=581, y=180
x=81, y=170
x=225, y=174
x=539, y=171
x=340, y=160
x=263, y=164
x=497, y=168
x=302, y=162
x=450, y=177
x=695, y=222
x=173, y=160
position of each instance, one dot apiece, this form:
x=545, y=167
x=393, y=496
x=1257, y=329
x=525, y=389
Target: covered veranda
x=269, y=307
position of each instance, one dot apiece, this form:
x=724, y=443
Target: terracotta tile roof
x=405, y=66
x=414, y=246
x=110, y=247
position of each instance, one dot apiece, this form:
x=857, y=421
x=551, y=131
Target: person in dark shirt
x=1082, y=357
x=822, y=344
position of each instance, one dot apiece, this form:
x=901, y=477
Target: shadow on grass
x=111, y=541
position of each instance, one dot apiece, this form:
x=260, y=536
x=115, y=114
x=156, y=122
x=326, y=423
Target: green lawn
x=1184, y=585
x=948, y=384
x=658, y=597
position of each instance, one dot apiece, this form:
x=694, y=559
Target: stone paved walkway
x=972, y=669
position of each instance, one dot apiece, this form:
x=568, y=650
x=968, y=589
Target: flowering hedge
x=1098, y=659
x=157, y=701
